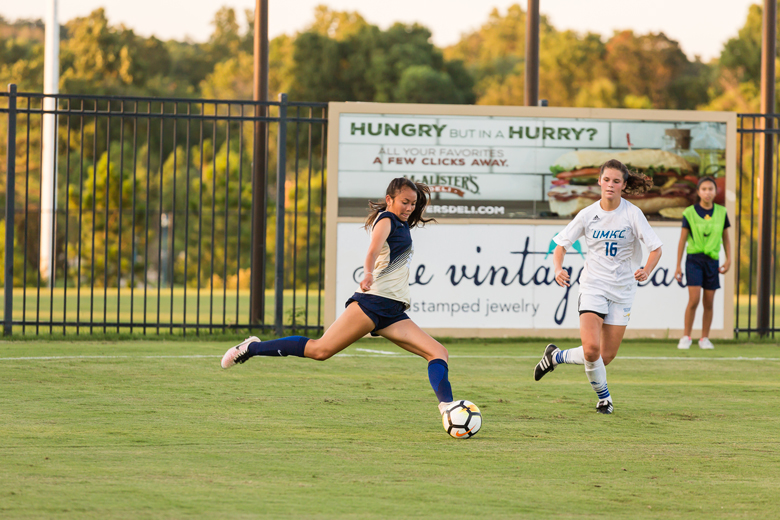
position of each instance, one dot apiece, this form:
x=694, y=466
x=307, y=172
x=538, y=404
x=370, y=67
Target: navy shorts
x=702, y=271
x=382, y=311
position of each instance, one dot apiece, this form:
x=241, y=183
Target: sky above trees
x=699, y=27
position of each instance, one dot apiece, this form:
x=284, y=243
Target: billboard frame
x=336, y=109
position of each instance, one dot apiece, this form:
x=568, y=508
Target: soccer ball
x=462, y=419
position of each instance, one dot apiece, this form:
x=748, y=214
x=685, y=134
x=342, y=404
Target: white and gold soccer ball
x=462, y=419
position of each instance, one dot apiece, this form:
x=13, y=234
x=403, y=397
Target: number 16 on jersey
x=611, y=248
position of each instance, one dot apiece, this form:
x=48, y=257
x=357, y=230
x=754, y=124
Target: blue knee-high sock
x=437, y=375
x=290, y=346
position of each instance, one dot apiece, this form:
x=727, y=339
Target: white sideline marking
x=44, y=358
x=386, y=353
x=377, y=351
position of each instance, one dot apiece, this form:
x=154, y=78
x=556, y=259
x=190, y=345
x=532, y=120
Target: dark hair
x=704, y=179
x=423, y=196
x=636, y=182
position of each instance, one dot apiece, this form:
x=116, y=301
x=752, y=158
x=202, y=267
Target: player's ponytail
x=416, y=218
x=636, y=182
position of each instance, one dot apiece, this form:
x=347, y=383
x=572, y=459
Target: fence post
x=281, y=165
x=10, y=195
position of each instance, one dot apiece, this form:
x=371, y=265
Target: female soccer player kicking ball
x=612, y=228
x=383, y=297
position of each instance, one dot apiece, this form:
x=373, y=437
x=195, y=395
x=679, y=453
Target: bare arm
x=378, y=237
x=561, y=275
x=680, y=249
x=727, y=248
x=643, y=273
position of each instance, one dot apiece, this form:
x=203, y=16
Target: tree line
x=339, y=56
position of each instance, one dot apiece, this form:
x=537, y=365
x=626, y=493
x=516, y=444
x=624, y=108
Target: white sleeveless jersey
x=391, y=269
x=614, y=249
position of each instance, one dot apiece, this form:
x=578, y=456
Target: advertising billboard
x=504, y=181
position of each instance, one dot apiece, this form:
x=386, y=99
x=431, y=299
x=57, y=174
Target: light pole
x=51, y=79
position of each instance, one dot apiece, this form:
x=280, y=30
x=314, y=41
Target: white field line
x=377, y=351
x=380, y=353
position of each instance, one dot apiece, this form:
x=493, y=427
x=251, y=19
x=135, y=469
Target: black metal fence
x=150, y=225
x=753, y=129
x=151, y=228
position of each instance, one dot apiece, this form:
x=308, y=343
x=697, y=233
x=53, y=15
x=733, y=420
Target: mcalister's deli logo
x=455, y=184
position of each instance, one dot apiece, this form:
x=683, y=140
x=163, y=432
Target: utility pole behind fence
x=766, y=186
x=8, y=285
x=259, y=165
x=531, y=97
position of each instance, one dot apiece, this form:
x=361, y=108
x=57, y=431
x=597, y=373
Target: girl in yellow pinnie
x=704, y=228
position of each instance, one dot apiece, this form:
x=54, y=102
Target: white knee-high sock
x=597, y=375
x=573, y=356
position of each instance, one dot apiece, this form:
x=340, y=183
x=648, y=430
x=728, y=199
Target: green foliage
x=342, y=58
x=21, y=56
x=742, y=55
x=231, y=79
x=736, y=82
x=653, y=66
x=422, y=84
x=627, y=70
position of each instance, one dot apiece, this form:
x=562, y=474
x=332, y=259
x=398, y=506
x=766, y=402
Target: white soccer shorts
x=614, y=312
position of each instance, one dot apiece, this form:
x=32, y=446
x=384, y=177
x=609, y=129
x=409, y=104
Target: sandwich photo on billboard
x=575, y=185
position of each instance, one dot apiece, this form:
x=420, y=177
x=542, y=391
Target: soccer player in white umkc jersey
x=612, y=228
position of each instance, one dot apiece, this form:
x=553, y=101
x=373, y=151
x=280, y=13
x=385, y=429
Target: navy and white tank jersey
x=391, y=269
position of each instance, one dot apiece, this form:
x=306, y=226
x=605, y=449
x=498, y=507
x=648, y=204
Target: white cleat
x=238, y=354
x=685, y=343
x=706, y=344
x=443, y=407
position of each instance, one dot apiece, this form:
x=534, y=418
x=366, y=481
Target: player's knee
x=591, y=345
x=608, y=358
x=320, y=355
x=707, y=305
x=317, y=351
x=693, y=303
x=443, y=353
x=591, y=351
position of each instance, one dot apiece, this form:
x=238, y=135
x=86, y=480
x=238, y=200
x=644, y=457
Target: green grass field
x=155, y=429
